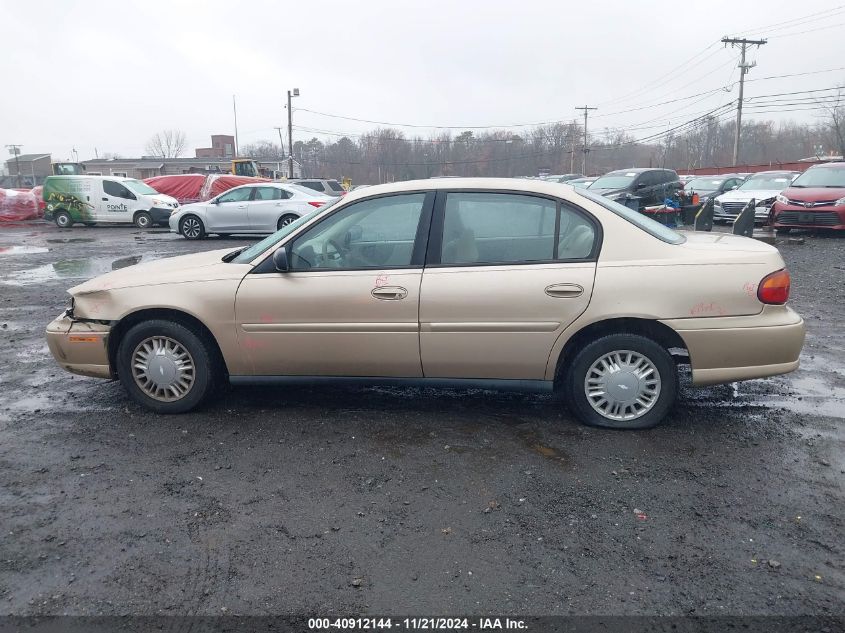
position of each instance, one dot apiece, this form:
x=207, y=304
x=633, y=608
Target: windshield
x=636, y=218
x=614, y=181
x=247, y=255
x=704, y=184
x=821, y=177
x=140, y=187
x=772, y=181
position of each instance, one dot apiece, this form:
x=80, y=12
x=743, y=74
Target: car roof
x=636, y=170
x=835, y=165
x=774, y=172
x=556, y=189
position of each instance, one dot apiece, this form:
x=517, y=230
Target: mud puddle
x=73, y=269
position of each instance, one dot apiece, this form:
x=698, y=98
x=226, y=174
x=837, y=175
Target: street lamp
x=290, y=132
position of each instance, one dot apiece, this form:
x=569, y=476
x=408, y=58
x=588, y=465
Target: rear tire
x=63, y=219
x=192, y=228
x=286, y=219
x=621, y=381
x=165, y=367
x=143, y=220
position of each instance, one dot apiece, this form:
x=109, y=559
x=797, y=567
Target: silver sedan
x=256, y=209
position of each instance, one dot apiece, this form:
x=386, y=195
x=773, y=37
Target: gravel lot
x=279, y=500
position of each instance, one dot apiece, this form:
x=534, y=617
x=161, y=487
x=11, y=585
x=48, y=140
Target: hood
x=205, y=266
x=745, y=196
x=814, y=194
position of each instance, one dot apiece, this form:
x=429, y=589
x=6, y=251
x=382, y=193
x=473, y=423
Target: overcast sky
x=108, y=75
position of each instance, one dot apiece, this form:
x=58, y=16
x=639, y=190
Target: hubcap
x=288, y=219
x=63, y=220
x=163, y=369
x=622, y=385
x=191, y=228
x=143, y=221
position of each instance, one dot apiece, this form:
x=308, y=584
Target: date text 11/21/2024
x=418, y=623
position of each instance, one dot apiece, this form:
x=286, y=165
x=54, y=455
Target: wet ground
x=279, y=500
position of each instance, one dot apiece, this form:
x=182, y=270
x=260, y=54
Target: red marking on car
x=84, y=339
x=749, y=288
x=707, y=308
x=382, y=280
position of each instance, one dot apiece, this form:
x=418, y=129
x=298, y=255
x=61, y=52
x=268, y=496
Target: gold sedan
x=458, y=282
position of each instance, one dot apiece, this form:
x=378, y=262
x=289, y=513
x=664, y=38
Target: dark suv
x=328, y=187
x=641, y=186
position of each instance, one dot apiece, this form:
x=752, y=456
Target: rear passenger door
x=266, y=208
x=505, y=274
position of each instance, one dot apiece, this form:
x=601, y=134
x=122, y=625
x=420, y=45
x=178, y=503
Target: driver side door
x=231, y=212
x=349, y=305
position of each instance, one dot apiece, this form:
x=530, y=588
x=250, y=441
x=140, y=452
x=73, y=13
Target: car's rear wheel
x=143, y=220
x=288, y=218
x=621, y=381
x=166, y=367
x=63, y=220
x=191, y=228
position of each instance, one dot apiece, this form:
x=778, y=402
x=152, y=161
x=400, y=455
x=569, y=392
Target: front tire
x=143, y=220
x=621, y=381
x=191, y=228
x=165, y=367
x=63, y=220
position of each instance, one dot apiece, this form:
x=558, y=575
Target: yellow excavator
x=245, y=167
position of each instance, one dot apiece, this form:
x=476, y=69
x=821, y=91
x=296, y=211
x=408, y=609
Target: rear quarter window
x=648, y=225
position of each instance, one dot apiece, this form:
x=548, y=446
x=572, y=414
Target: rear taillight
x=774, y=288
x=316, y=204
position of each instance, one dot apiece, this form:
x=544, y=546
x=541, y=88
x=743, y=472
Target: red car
x=814, y=200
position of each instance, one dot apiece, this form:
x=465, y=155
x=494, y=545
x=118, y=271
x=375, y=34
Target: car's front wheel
x=143, y=220
x=621, y=381
x=166, y=367
x=191, y=228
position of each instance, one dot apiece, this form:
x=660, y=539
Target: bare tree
x=110, y=155
x=262, y=150
x=835, y=110
x=166, y=144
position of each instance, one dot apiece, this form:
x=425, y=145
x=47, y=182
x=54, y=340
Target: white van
x=93, y=199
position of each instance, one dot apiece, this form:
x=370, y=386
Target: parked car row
x=783, y=199
x=258, y=207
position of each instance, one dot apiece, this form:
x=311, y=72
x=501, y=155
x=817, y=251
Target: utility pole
x=235, y=111
x=290, y=132
x=586, y=110
x=15, y=150
x=743, y=70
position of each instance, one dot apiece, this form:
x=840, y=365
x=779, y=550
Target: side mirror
x=734, y=187
x=280, y=260
x=640, y=185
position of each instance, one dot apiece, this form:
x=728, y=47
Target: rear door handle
x=389, y=293
x=242, y=206
x=563, y=291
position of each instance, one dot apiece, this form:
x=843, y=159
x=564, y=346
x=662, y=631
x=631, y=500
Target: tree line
x=387, y=154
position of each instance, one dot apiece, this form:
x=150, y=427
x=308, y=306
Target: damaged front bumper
x=80, y=347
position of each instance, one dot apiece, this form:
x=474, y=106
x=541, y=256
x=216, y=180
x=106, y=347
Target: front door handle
x=389, y=293
x=242, y=206
x=105, y=199
x=564, y=291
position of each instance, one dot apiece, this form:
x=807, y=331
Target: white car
x=257, y=209
x=762, y=187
